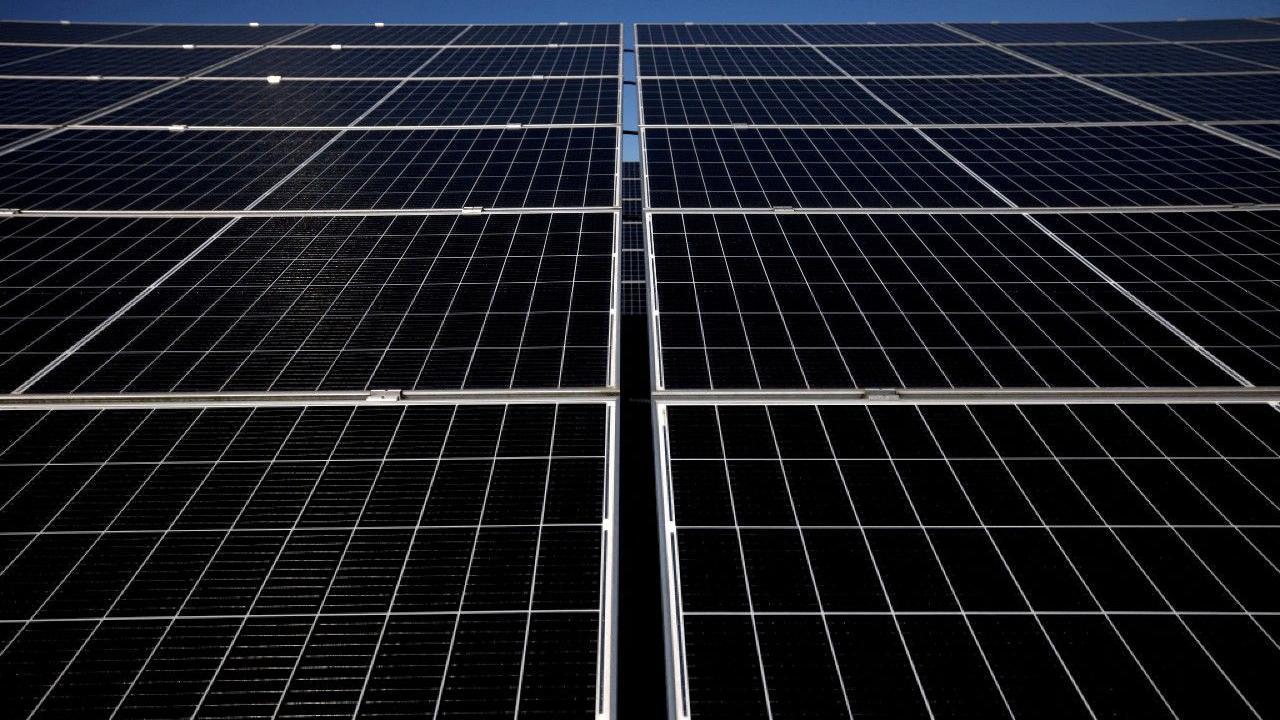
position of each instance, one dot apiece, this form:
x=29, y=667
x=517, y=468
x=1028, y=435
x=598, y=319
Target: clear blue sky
x=489, y=11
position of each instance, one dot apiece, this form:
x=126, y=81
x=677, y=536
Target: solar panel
x=145, y=62
x=426, y=302
x=1207, y=97
x=798, y=168
x=1142, y=58
x=51, y=102
x=1047, y=32
x=1124, y=166
x=1265, y=134
x=1266, y=54
x=831, y=301
x=928, y=60
x=381, y=561
x=232, y=103
x=67, y=34
x=499, y=102
x=562, y=34
x=325, y=35
x=633, y=262
x=1034, y=560
x=210, y=34
x=150, y=170
x=10, y=54
x=523, y=62
x=764, y=102
x=327, y=63
x=1203, y=29
x=676, y=61
x=884, y=33
x=9, y=136
x=704, y=34
x=1004, y=101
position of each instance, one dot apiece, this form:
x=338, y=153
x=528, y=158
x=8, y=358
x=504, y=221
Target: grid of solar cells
x=487, y=62
x=1264, y=134
x=1216, y=276
x=373, y=35
x=1004, y=101
x=1265, y=53
x=1114, y=166
x=235, y=103
x=1068, y=561
x=498, y=102
x=761, y=102
x=1129, y=59
x=426, y=302
x=65, y=34
x=562, y=34
x=804, y=168
x=1048, y=32
x=633, y=260
x=429, y=560
x=705, y=34
x=833, y=301
x=326, y=63
x=150, y=170
x=51, y=102
x=890, y=33
x=678, y=61
x=60, y=278
x=873, y=60
x=1207, y=97
x=9, y=136
x=424, y=169
x=121, y=62
x=13, y=53
x=210, y=34
x=1203, y=30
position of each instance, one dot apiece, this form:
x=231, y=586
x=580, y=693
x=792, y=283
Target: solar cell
x=763, y=102
x=67, y=34
x=370, y=561
x=927, y=60
x=836, y=301
x=1045, y=32
x=210, y=34
x=11, y=135
x=428, y=302
x=374, y=35
x=497, y=102
x=253, y=103
x=1265, y=134
x=1265, y=53
x=709, y=34
x=1214, y=275
x=731, y=61
x=802, y=168
x=1202, y=29
x=150, y=170
x=1142, y=58
x=1208, y=97
x=59, y=278
x=1004, y=101
x=41, y=102
x=345, y=63
x=1114, y=166
x=121, y=62
x=13, y=53
x=506, y=62
x=563, y=34
x=984, y=561
x=888, y=33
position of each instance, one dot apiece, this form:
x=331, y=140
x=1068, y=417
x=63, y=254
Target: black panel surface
x=497, y=102
x=210, y=34
x=1049, y=32
x=1203, y=30
x=1142, y=58
x=71, y=33
x=562, y=34
x=710, y=34
x=928, y=60
x=254, y=103
x=764, y=102
x=871, y=34
x=1005, y=101
x=324, y=62
x=371, y=35
x=732, y=61
x=522, y=62
x=50, y=102
x=1268, y=134
x=122, y=62
x=1208, y=97
x=1266, y=55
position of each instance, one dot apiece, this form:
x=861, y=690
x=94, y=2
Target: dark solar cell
x=71, y=34
x=928, y=60
x=122, y=62
x=709, y=34
x=563, y=34
x=150, y=170
x=731, y=61
x=947, y=561
x=831, y=301
x=1216, y=276
x=1208, y=97
x=873, y=34
x=728, y=168
x=1148, y=58
x=1109, y=166
x=57, y=101
x=505, y=62
x=496, y=102
x=1045, y=32
x=427, y=302
x=1003, y=101
x=210, y=34
x=253, y=103
x=562, y=167
x=764, y=102
x=1266, y=53
x=1268, y=135
x=1203, y=29
x=10, y=135
x=348, y=62
x=14, y=53
x=376, y=562
x=372, y=35
x=60, y=278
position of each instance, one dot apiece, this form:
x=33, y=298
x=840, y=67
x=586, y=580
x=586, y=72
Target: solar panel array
x=310, y=356
x=964, y=342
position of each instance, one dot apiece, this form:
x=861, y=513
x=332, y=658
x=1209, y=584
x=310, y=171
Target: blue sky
x=630, y=11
